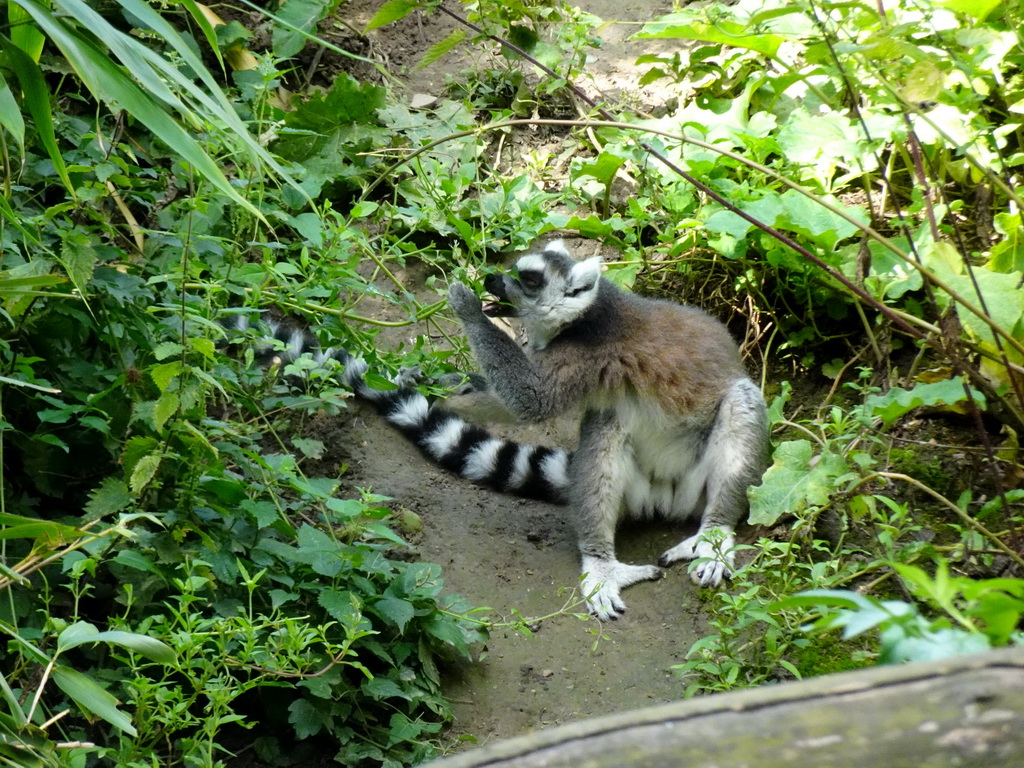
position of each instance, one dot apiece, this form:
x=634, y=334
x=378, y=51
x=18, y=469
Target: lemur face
x=547, y=289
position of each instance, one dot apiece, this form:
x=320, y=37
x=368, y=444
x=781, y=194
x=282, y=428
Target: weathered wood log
x=966, y=711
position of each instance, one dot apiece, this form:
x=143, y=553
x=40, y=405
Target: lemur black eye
x=531, y=279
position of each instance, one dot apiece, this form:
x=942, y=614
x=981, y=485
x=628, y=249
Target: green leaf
x=135, y=449
x=439, y=49
x=394, y=610
x=682, y=26
x=343, y=605
x=322, y=552
x=37, y=101
x=897, y=401
x=806, y=216
x=88, y=695
x=131, y=558
x=166, y=406
x=310, y=448
x=144, y=472
x=163, y=374
x=109, y=497
x=305, y=718
x=384, y=532
x=10, y=112
x=1008, y=254
x=82, y=632
x=391, y=11
x=78, y=257
x=167, y=349
x=976, y=9
x=603, y=167
x=796, y=479
x=24, y=33
x=300, y=16
x=923, y=82
x=380, y=688
x=263, y=512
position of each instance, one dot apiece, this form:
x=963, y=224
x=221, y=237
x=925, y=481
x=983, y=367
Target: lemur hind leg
x=734, y=459
x=600, y=469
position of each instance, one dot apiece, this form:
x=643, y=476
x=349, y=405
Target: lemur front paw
x=464, y=302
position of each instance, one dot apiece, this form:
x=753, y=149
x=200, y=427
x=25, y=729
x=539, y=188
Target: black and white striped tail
x=534, y=472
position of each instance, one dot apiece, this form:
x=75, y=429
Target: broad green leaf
x=1008, y=254
x=144, y=471
x=9, y=284
x=324, y=554
x=380, y=688
x=923, y=82
x=796, y=479
x=306, y=719
x=343, y=606
x=135, y=449
x=131, y=558
x=163, y=374
x=393, y=10
x=395, y=610
x=51, y=534
x=263, y=512
x=78, y=257
x=10, y=112
x=384, y=532
x=976, y=9
x=439, y=49
x=166, y=406
x=24, y=33
x=682, y=26
x=897, y=401
x=167, y=349
x=300, y=16
x=109, y=497
x=309, y=447
x=807, y=217
x=83, y=632
x=88, y=695
x=603, y=167
x=1003, y=298
x=37, y=101
x=821, y=140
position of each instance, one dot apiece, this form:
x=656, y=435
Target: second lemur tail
x=530, y=471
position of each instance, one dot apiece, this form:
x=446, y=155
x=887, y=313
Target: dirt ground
x=519, y=557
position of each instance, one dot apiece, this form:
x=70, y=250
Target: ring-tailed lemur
x=672, y=425
x=670, y=421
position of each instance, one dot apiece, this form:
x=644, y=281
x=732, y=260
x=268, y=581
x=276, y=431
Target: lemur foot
x=603, y=581
x=712, y=548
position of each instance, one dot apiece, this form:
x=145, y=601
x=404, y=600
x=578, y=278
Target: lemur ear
x=583, y=276
x=556, y=246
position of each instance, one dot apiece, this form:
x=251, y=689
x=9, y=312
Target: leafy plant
x=978, y=614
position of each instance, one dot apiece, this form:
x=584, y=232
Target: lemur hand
x=464, y=302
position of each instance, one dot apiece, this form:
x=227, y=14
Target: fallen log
x=966, y=711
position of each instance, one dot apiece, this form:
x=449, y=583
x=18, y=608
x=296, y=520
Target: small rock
x=422, y=100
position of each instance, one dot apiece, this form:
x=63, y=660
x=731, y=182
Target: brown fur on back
x=677, y=356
